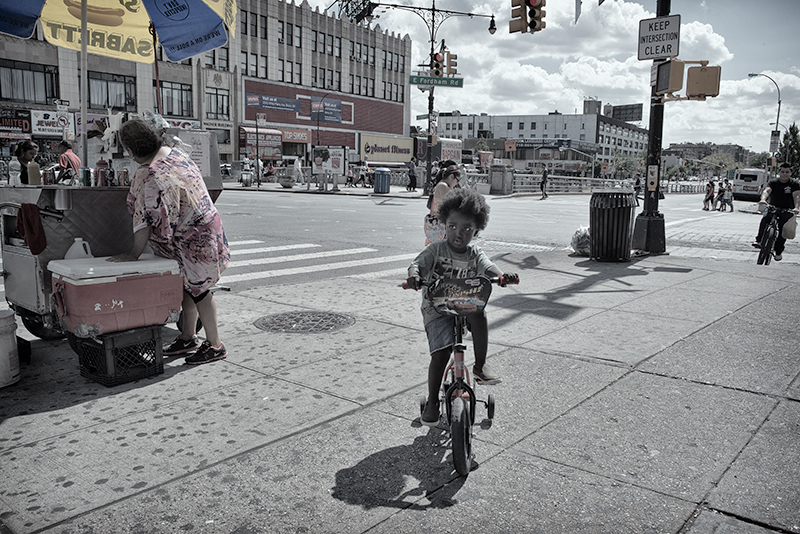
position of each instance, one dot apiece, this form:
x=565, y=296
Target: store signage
x=275, y=103
x=326, y=109
x=51, y=123
x=183, y=124
x=296, y=136
x=386, y=148
x=15, y=124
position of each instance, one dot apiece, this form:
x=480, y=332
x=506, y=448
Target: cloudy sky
x=556, y=68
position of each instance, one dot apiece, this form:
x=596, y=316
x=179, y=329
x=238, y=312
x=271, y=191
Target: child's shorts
x=441, y=333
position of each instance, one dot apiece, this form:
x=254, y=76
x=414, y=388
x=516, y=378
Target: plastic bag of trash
x=581, y=243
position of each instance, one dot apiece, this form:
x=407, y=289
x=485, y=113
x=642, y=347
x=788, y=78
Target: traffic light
x=437, y=67
x=536, y=14
x=669, y=76
x=452, y=65
x=519, y=17
x=702, y=82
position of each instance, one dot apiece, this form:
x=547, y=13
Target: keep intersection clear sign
x=431, y=80
x=659, y=38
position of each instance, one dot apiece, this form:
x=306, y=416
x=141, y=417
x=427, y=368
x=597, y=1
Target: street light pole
x=433, y=19
x=753, y=75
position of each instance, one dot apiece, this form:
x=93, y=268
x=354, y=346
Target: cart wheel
x=461, y=436
x=179, y=323
x=490, y=407
x=35, y=325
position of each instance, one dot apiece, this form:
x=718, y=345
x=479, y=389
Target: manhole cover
x=304, y=322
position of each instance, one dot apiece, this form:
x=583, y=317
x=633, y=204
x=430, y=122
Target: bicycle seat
x=460, y=296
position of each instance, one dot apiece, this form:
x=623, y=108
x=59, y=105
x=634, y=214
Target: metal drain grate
x=304, y=322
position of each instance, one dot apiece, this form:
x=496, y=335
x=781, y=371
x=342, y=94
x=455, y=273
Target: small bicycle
x=767, y=243
x=460, y=297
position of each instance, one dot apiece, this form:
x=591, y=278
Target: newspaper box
x=95, y=297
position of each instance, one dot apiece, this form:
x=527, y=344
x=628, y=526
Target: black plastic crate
x=120, y=357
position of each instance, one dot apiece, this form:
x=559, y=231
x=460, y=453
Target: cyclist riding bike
x=782, y=192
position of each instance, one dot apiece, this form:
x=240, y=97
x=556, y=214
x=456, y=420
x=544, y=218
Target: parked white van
x=749, y=183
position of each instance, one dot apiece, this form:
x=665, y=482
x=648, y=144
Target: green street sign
x=438, y=82
x=420, y=117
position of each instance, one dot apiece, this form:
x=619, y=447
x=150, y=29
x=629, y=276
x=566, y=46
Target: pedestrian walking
x=412, y=175
x=543, y=184
x=298, y=171
x=637, y=187
x=709, y=198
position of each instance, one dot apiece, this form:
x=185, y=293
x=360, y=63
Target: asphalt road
x=289, y=237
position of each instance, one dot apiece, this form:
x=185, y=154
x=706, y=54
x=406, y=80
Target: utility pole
x=648, y=230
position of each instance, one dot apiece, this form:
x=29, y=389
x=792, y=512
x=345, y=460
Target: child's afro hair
x=467, y=202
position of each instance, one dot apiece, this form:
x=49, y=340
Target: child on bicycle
x=465, y=214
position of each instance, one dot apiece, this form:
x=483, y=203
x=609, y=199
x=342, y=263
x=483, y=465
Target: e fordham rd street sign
x=430, y=80
x=659, y=38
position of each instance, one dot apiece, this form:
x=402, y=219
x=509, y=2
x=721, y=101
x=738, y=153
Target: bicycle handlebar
x=499, y=280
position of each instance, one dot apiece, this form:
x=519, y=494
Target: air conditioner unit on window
x=280, y=40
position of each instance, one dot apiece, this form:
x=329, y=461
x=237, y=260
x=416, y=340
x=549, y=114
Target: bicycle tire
x=764, y=253
x=461, y=436
x=770, y=242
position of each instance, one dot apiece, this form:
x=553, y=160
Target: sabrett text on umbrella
x=100, y=39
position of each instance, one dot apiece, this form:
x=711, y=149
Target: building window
x=509, y=126
x=338, y=47
x=358, y=85
x=583, y=126
x=402, y=63
x=298, y=74
x=314, y=40
x=321, y=43
x=289, y=73
x=545, y=127
x=383, y=59
x=330, y=78
x=352, y=83
x=447, y=126
x=460, y=126
x=298, y=36
x=253, y=24
x=469, y=126
x=372, y=87
x=480, y=126
x=338, y=83
x=389, y=61
x=262, y=22
x=402, y=93
x=223, y=136
x=583, y=137
x=280, y=70
x=371, y=56
x=209, y=59
x=243, y=21
x=280, y=31
x=253, y=65
x=112, y=91
x=27, y=82
x=352, y=49
x=222, y=58
x=243, y=66
x=565, y=125
x=262, y=67
x=289, y=34
x=384, y=90
x=522, y=126
x=533, y=126
x=176, y=99
x=313, y=76
x=217, y=103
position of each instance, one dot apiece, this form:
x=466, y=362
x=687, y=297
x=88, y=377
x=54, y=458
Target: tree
x=759, y=161
x=481, y=145
x=790, y=149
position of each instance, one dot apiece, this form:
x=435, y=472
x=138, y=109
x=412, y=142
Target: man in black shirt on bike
x=783, y=192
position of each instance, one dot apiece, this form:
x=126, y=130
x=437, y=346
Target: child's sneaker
x=206, y=354
x=430, y=415
x=182, y=346
x=485, y=376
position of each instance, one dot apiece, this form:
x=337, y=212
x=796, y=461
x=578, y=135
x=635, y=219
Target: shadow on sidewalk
x=381, y=479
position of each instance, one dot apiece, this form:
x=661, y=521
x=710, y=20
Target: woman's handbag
x=434, y=229
x=790, y=228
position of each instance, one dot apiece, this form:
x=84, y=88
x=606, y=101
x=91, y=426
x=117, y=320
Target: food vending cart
x=46, y=300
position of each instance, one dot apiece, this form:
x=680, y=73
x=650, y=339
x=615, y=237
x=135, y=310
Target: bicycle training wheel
x=769, y=243
x=461, y=436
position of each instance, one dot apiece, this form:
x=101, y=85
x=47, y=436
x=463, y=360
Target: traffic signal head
x=452, y=64
x=519, y=17
x=536, y=14
x=437, y=65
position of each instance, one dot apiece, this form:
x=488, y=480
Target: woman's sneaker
x=430, y=415
x=206, y=353
x=182, y=346
x=485, y=376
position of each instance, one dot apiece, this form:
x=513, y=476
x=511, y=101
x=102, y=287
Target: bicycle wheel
x=770, y=242
x=461, y=436
x=766, y=248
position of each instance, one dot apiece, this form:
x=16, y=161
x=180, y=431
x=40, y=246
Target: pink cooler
x=94, y=296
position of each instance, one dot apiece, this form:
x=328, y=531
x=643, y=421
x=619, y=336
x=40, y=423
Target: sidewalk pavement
x=274, y=187
x=658, y=395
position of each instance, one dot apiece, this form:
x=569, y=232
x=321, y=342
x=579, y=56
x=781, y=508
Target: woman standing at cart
x=172, y=211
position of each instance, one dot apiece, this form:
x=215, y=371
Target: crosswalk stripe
x=315, y=268
x=245, y=242
x=300, y=257
x=272, y=249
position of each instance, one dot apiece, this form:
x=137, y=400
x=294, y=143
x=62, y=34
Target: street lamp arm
x=753, y=75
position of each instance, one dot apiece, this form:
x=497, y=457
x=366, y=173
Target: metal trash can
x=611, y=224
x=247, y=178
x=383, y=180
